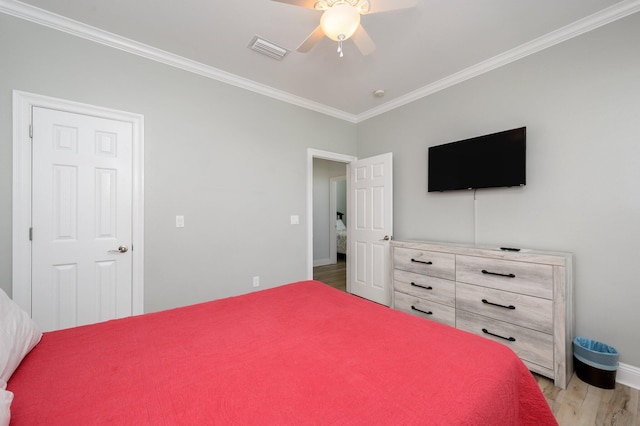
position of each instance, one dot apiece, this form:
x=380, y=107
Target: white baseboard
x=321, y=262
x=628, y=375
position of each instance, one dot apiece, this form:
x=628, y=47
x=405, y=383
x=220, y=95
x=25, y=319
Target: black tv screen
x=488, y=161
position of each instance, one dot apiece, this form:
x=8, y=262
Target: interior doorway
x=326, y=176
x=330, y=216
x=370, y=229
x=326, y=171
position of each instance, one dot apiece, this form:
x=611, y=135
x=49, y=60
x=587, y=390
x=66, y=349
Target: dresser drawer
x=530, y=345
x=527, y=311
x=424, y=286
x=518, y=277
x=425, y=308
x=432, y=263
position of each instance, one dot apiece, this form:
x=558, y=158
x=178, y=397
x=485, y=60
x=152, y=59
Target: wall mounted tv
x=489, y=161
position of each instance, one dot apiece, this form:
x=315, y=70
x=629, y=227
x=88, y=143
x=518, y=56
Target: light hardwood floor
x=333, y=275
x=582, y=404
x=578, y=405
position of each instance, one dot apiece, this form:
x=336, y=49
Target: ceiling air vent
x=265, y=47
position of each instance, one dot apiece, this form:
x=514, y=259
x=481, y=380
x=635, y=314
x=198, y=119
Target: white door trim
x=324, y=155
x=23, y=103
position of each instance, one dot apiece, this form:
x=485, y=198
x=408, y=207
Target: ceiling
x=419, y=50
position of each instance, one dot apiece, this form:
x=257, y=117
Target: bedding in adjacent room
x=341, y=237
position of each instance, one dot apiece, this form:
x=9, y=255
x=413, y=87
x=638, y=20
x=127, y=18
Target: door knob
x=386, y=238
x=121, y=249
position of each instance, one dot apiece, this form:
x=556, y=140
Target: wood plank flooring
x=334, y=275
x=582, y=404
x=578, y=405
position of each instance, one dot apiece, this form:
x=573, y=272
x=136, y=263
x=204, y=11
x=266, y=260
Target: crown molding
x=70, y=26
x=598, y=19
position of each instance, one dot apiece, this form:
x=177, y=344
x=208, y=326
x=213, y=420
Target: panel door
x=82, y=189
x=370, y=215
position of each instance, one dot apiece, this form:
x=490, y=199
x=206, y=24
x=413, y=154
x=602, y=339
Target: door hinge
x=30, y=234
x=30, y=131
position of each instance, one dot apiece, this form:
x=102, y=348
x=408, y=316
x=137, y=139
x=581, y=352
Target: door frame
x=323, y=155
x=23, y=103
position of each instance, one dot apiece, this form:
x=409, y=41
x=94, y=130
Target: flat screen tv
x=489, y=161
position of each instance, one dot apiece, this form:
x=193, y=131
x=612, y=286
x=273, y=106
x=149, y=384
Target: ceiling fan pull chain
x=340, y=38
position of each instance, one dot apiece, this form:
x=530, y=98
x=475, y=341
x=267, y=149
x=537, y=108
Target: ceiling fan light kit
x=340, y=21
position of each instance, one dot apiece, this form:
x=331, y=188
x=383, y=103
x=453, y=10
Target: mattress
x=302, y=353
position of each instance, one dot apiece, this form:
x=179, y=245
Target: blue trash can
x=596, y=363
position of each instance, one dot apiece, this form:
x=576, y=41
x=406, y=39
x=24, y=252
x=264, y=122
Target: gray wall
x=580, y=101
x=233, y=162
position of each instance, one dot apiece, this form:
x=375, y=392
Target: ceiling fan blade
x=363, y=42
x=302, y=3
x=378, y=6
x=311, y=41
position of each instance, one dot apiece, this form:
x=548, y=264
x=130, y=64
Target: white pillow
x=18, y=335
x=5, y=404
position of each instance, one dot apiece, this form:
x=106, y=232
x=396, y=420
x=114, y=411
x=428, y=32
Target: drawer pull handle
x=421, y=261
x=497, y=304
x=485, y=331
x=423, y=286
x=424, y=312
x=484, y=271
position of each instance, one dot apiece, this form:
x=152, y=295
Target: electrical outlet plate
x=256, y=281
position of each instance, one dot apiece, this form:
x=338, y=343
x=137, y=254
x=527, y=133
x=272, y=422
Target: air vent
x=268, y=48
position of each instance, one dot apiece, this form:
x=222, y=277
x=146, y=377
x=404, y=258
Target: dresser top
x=524, y=255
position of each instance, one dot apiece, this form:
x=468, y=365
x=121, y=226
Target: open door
x=371, y=227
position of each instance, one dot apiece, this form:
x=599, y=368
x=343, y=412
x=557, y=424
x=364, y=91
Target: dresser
x=522, y=299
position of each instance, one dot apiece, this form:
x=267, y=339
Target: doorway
x=329, y=219
x=24, y=208
x=322, y=248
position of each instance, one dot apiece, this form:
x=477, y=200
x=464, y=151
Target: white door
x=371, y=227
x=82, y=212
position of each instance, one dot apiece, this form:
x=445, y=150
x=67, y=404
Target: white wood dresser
x=523, y=299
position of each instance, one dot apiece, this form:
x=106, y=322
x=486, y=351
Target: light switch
x=179, y=221
x=295, y=219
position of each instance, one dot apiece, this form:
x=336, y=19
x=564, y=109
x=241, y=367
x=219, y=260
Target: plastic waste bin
x=596, y=363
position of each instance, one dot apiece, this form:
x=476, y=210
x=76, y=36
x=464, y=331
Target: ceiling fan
x=341, y=20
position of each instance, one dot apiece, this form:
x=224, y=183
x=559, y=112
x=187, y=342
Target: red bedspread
x=299, y=354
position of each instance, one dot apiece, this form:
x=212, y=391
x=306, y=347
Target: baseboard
x=321, y=262
x=628, y=375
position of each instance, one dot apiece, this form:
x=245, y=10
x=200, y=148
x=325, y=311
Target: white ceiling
x=419, y=50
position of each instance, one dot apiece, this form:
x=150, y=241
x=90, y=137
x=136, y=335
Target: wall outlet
x=180, y=221
x=256, y=281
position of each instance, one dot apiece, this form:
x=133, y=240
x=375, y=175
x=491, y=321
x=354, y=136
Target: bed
x=302, y=353
x=341, y=235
